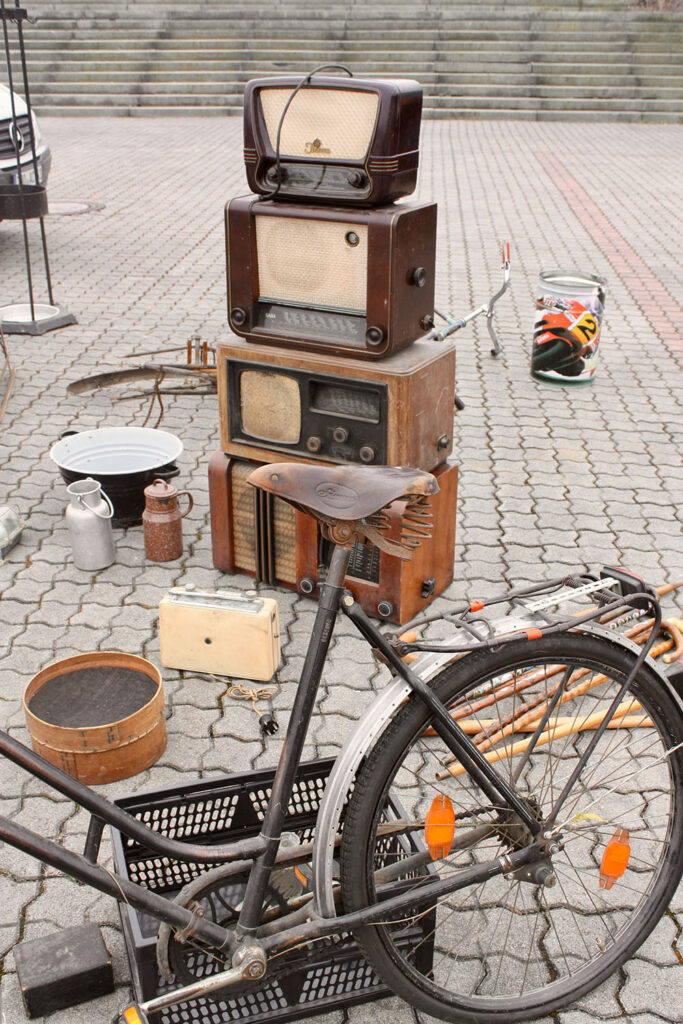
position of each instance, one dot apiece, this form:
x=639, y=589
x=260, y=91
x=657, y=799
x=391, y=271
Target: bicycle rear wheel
x=510, y=949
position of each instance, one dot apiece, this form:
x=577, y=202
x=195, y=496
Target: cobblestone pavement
x=550, y=478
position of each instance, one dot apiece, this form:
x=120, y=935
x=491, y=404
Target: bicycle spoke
x=508, y=941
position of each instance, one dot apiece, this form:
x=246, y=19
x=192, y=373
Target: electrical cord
x=304, y=81
x=238, y=691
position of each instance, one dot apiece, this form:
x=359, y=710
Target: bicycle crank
x=249, y=965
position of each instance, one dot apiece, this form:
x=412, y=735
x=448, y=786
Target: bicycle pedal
x=133, y=1015
x=287, y=882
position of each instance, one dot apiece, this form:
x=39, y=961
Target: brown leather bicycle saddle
x=348, y=493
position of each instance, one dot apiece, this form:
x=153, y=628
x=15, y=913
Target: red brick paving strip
x=663, y=312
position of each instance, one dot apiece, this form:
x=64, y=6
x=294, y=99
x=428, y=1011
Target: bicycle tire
x=562, y=941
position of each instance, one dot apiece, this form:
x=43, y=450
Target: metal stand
x=8, y=369
x=23, y=201
x=453, y=325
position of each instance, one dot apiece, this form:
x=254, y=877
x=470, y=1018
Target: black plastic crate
x=230, y=807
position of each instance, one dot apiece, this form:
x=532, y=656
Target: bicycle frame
x=260, y=854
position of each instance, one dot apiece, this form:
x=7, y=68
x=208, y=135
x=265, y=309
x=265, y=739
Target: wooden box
x=276, y=404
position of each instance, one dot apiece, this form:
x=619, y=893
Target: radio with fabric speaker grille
x=309, y=407
x=349, y=282
x=258, y=534
x=342, y=140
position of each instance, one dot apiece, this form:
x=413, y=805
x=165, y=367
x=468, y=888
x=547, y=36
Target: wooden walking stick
x=526, y=716
x=560, y=728
x=528, y=679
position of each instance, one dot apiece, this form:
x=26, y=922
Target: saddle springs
x=416, y=526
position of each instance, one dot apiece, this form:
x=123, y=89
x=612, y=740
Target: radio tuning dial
x=340, y=434
x=238, y=316
x=367, y=454
x=418, y=277
x=314, y=444
x=374, y=336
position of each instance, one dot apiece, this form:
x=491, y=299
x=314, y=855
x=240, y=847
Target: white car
x=19, y=138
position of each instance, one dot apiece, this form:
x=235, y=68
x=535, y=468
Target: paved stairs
x=581, y=60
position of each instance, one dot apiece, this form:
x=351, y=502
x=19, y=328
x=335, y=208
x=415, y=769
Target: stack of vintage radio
x=330, y=284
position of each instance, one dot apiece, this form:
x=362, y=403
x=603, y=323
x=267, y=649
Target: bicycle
x=539, y=761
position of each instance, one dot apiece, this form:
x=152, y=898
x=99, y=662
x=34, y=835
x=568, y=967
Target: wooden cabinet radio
x=342, y=140
x=258, y=534
x=349, y=282
x=310, y=407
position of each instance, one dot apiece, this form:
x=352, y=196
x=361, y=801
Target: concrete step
x=151, y=85
x=148, y=8
x=531, y=53
x=419, y=33
x=464, y=113
x=425, y=71
x=585, y=58
x=484, y=17
x=487, y=17
x=587, y=116
x=447, y=100
x=265, y=39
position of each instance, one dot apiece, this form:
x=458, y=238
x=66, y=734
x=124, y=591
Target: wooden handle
x=567, y=727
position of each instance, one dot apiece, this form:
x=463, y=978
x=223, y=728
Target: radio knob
x=356, y=179
x=418, y=277
x=340, y=434
x=427, y=322
x=367, y=454
x=238, y=316
x=314, y=444
x=385, y=609
x=443, y=442
x=275, y=177
x=374, y=336
x=306, y=585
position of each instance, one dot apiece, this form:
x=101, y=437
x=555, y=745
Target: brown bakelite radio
x=349, y=282
x=308, y=407
x=258, y=534
x=342, y=140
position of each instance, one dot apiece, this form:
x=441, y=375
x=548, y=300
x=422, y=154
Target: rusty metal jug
x=162, y=521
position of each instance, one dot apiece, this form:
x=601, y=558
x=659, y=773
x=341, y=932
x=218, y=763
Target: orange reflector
x=615, y=858
x=440, y=827
x=134, y=1016
x=301, y=876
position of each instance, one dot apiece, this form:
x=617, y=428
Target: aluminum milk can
x=88, y=517
x=162, y=521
